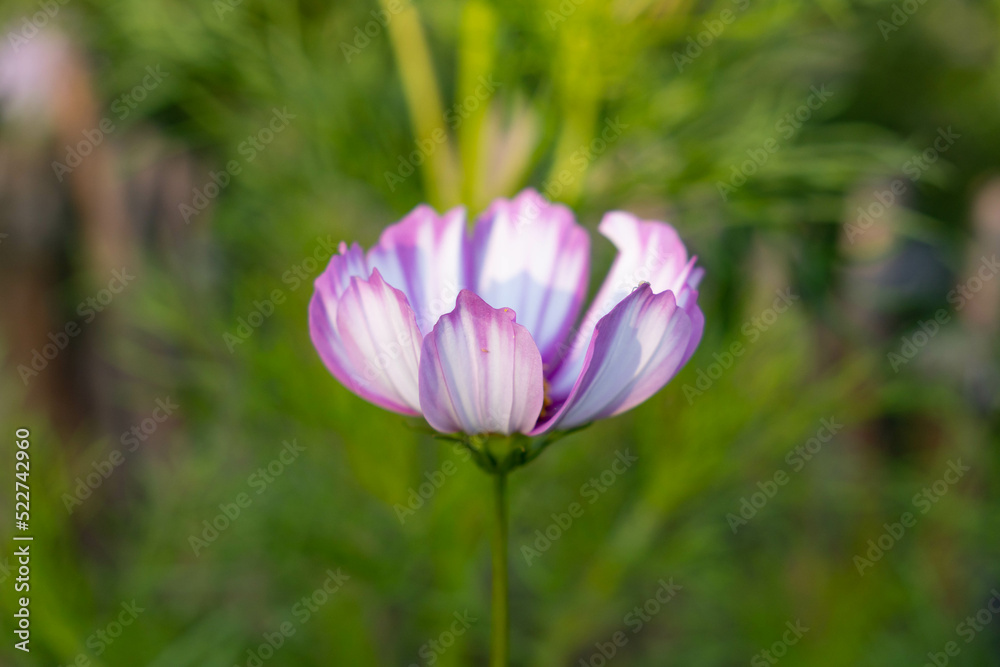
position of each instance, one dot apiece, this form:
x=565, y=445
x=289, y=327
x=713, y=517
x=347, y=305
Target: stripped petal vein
x=425, y=322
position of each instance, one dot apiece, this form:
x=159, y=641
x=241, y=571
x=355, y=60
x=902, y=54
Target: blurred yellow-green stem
x=423, y=98
x=477, y=55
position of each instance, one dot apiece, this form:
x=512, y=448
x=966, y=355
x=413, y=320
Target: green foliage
x=563, y=75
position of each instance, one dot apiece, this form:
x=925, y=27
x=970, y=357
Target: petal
x=328, y=288
x=688, y=300
x=425, y=256
x=697, y=329
x=480, y=371
x=648, y=251
x=635, y=350
x=530, y=255
x=368, y=338
x=349, y=262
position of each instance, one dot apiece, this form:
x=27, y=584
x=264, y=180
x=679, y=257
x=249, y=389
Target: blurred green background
x=843, y=154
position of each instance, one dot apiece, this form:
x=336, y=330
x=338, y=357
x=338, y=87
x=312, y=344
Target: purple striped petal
x=368, y=338
x=328, y=288
x=480, y=371
x=348, y=263
x=648, y=252
x=635, y=350
x=688, y=300
x=697, y=329
x=425, y=256
x=530, y=255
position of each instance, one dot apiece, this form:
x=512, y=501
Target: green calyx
x=500, y=454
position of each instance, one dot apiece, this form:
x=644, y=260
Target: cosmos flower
x=479, y=332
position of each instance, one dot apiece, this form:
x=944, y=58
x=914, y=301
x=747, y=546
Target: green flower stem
x=497, y=456
x=500, y=627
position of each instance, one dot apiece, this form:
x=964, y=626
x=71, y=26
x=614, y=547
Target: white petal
x=480, y=372
x=530, y=255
